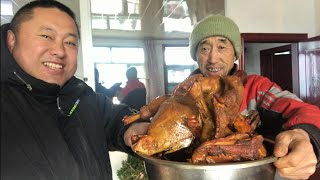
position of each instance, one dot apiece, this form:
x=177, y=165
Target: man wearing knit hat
x=215, y=44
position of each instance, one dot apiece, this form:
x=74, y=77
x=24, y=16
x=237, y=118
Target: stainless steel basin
x=158, y=169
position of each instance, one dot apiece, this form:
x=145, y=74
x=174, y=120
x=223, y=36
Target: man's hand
x=135, y=129
x=297, y=159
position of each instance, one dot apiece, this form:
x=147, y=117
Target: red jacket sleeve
x=261, y=92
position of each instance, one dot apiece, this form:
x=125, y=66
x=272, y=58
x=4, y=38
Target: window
x=179, y=65
x=175, y=16
x=115, y=14
x=106, y=6
x=6, y=8
x=127, y=55
x=178, y=56
x=99, y=21
x=113, y=62
x=126, y=15
x=6, y=11
x=101, y=54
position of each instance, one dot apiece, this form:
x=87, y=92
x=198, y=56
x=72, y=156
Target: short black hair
x=131, y=73
x=26, y=13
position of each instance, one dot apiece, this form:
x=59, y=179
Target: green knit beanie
x=215, y=25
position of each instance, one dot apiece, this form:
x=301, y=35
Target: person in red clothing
x=215, y=44
x=134, y=93
x=132, y=83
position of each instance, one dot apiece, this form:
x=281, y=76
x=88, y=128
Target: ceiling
x=17, y=4
x=197, y=8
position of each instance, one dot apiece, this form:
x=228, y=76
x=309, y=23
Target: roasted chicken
x=202, y=114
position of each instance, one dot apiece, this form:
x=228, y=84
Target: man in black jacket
x=53, y=126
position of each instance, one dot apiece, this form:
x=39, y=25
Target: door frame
x=267, y=62
x=268, y=38
x=282, y=38
x=274, y=37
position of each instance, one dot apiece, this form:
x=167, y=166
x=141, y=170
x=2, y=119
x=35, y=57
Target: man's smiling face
x=46, y=46
x=215, y=56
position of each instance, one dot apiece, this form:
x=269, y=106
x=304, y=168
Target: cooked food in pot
x=201, y=119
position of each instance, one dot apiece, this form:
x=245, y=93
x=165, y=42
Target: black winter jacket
x=53, y=133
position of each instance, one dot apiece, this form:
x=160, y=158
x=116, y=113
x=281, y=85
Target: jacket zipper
x=75, y=105
x=58, y=105
x=27, y=85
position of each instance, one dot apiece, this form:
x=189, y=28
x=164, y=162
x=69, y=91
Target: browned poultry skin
x=146, y=111
x=180, y=118
x=206, y=110
x=233, y=139
x=170, y=129
x=226, y=105
x=236, y=147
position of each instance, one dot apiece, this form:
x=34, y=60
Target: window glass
x=182, y=25
x=178, y=56
x=106, y=6
x=101, y=54
x=109, y=74
x=113, y=62
x=6, y=8
x=9, y=8
x=127, y=55
x=176, y=17
x=99, y=21
x=125, y=23
x=179, y=66
x=133, y=6
x=177, y=75
x=163, y=18
x=116, y=14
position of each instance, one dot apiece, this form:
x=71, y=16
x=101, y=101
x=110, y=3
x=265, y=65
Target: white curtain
x=154, y=68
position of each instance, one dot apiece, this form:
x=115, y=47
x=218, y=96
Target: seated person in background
x=103, y=90
x=134, y=93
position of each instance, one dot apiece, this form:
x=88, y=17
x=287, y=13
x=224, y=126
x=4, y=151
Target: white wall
x=317, y=16
x=274, y=16
x=252, y=55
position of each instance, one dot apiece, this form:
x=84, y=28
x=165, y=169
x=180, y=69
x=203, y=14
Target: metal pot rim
x=218, y=166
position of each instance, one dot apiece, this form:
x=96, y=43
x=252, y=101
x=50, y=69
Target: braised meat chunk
x=203, y=116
